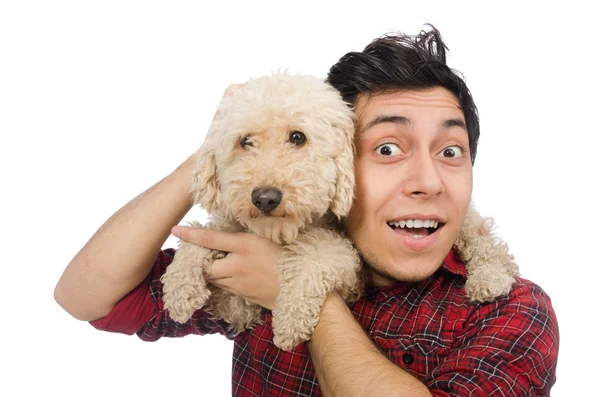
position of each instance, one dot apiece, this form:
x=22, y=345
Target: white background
x=100, y=100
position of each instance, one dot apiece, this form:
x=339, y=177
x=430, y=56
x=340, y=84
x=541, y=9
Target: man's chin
x=381, y=278
x=410, y=270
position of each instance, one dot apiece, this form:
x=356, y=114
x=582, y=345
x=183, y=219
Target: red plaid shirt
x=505, y=348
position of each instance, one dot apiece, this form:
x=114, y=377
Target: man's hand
x=249, y=269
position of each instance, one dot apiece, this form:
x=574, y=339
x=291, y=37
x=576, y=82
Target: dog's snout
x=266, y=199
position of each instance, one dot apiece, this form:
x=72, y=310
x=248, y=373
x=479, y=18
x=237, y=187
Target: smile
x=416, y=224
x=419, y=227
x=417, y=234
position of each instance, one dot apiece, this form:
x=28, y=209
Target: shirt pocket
x=419, y=357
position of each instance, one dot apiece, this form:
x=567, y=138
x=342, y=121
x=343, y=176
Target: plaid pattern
x=505, y=348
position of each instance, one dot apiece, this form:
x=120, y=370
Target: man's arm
x=121, y=253
x=349, y=364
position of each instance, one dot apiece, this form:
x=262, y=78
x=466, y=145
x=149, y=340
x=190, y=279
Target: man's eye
x=388, y=149
x=452, y=152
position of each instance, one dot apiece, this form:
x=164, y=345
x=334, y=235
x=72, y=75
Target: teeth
x=415, y=223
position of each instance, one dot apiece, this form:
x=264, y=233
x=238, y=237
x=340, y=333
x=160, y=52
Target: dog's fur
x=317, y=182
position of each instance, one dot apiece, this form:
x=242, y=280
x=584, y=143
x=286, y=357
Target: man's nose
x=423, y=178
x=266, y=199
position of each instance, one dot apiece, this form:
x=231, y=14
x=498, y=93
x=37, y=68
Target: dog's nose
x=266, y=199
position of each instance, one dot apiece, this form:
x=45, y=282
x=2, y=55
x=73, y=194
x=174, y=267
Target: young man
x=413, y=332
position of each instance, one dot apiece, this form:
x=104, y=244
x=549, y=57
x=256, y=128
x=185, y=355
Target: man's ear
x=344, y=187
x=204, y=185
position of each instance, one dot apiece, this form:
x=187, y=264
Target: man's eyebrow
x=454, y=123
x=387, y=119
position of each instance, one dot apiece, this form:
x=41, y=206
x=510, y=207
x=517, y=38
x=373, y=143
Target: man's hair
x=402, y=62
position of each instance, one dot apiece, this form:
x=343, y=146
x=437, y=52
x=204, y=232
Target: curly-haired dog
x=279, y=162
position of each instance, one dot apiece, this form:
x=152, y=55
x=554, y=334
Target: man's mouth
x=416, y=228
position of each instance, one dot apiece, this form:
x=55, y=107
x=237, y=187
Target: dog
x=278, y=162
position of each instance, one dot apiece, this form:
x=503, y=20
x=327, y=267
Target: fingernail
x=175, y=231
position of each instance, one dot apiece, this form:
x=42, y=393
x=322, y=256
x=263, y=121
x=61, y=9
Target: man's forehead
x=397, y=106
x=428, y=97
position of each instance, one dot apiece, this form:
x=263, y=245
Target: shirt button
x=408, y=358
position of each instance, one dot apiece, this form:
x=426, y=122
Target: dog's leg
x=184, y=287
x=491, y=270
x=318, y=262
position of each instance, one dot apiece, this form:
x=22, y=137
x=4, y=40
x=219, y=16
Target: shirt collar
x=454, y=264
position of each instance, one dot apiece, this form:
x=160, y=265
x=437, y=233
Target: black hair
x=400, y=62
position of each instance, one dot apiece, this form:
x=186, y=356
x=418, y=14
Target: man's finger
x=228, y=93
x=212, y=239
x=223, y=283
x=222, y=268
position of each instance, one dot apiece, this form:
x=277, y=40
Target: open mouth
x=416, y=228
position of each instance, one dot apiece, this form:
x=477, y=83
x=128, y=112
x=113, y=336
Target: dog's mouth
x=255, y=215
x=416, y=228
x=278, y=227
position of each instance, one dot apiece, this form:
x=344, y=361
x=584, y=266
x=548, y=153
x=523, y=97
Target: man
x=413, y=332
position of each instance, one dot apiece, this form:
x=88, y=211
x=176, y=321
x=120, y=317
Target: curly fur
x=491, y=270
x=317, y=182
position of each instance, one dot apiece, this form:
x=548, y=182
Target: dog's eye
x=297, y=138
x=245, y=141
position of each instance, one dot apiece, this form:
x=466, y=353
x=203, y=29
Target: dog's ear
x=205, y=187
x=344, y=189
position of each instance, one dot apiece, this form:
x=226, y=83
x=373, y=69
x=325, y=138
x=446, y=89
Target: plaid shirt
x=505, y=348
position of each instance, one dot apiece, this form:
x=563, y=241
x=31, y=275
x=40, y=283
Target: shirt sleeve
x=141, y=311
x=509, y=348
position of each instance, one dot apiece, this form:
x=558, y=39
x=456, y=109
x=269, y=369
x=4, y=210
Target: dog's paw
x=288, y=340
x=184, y=291
x=487, y=286
x=292, y=327
x=286, y=344
x=181, y=304
x=184, y=285
x=180, y=316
